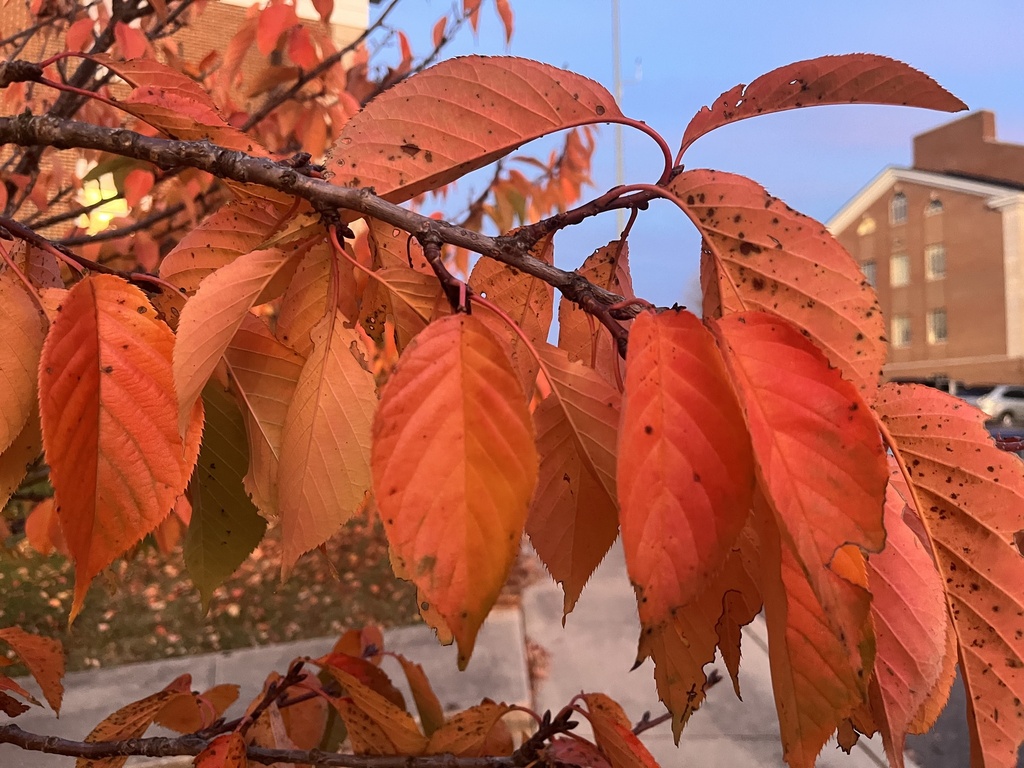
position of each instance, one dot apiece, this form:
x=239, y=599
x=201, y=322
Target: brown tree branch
x=192, y=745
x=46, y=130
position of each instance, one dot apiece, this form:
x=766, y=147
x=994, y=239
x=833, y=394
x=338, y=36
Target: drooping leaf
x=761, y=254
x=454, y=468
x=24, y=327
x=44, y=658
x=910, y=618
x=213, y=316
x=403, y=295
x=11, y=706
x=231, y=231
x=466, y=733
x=225, y=751
x=582, y=336
x=42, y=529
x=574, y=516
x=110, y=426
x=264, y=372
x=225, y=526
x=457, y=116
x=324, y=471
x=574, y=753
x=132, y=720
x=429, y=708
x=19, y=457
x=187, y=714
x=683, y=644
x=685, y=472
x=856, y=78
x=614, y=733
x=304, y=304
x=527, y=300
x=814, y=684
x=970, y=497
x=375, y=725
x=819, y=457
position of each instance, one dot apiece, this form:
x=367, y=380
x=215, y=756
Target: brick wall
x=968, y=146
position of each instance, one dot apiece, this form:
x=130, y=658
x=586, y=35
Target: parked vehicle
x=1004, y=404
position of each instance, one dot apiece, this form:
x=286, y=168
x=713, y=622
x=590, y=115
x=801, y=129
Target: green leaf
x=225, y=526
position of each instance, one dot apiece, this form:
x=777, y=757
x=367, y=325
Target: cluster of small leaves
x=750, y=458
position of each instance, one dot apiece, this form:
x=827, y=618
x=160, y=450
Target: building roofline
x=869, y=193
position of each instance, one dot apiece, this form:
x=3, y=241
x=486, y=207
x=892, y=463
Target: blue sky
x=814, y=159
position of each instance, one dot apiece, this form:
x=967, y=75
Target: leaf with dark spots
x=811, y=280
x=852, y=78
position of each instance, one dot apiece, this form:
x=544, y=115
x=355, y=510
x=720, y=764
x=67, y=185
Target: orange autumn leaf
x=132, y=720
x=20, y=345
x=108, y=409
x=20, y=456
x=815, y=686
x=910, y=619
x=324, y=469
x=42, y=529
x=574, y=516
x=213, y=316
x=580, y=334
x=971, y=502
x=375, y=725
x=466, y=733
x=427, y=705
x=225, y=751
x=686, y=471
x=614, y=735
x=454, y=468
x=760, y=254
x=819, y=457
x=457, y=116
x=859, y=78
x=44, y=658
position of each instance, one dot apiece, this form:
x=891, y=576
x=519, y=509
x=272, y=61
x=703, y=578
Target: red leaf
x=437, y=35
x=131, y=40
x=858, y=78
x=761, y=254
x=613, y=733
x=274, y=21
x=301, y=50
x=80, y=34
x=911, y=624
x=457, y=116
x=454, y=468
x=505, y=12
x=225, y=751
x=820, y=459
x=137, y=184
x=686, y=471
x=42, y=529
x=107, y=404
x=325, y=8
x=971, y=502
x=43, y=657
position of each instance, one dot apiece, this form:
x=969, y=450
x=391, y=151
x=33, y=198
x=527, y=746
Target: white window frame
x=930, y=252
x=899, y=270
x=898, y=209
x=901, y=331
x=934, y=327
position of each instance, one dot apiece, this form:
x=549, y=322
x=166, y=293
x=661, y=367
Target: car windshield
x=974, y=391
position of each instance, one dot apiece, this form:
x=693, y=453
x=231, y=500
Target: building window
x=934, y=207
x=937, y=326
x=935, y=261
x=870, y=271
x=866, y=226
x=901, y=331
x=898, y=209
x=899, y=270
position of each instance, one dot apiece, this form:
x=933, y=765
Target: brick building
x=943, y=244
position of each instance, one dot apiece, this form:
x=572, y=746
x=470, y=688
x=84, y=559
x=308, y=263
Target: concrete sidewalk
x=593, y=652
